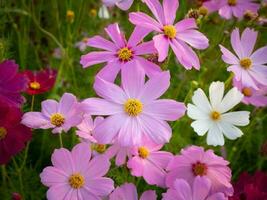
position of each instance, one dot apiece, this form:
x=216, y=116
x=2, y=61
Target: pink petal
x=248, y=41
x=62, y=159
x=110, y=71
x=194, y=38
x=81, y=154
x=145, y=21
x=67, y=103
x=109, y=128
x=145, y=48
x=236, y=70
x=53, y=176
x=36, y=120
x=186, y=24
x=259, y=57
x=126, y=191
x=109, y=91
x=121, y=156
x=101, y=43
x=88, y=194
x=150, y=68
x=217, y=196
x=59, y=191
x=259, y=74
x=133, y=79
x=155, y=87
x=136, y=164
x=156, y=9
x=168, y=110
x=49, y=107
x=125, y=5
x=149, y=195
x=162, y=45
x=116, y=35
x=160, y=158
x=236, y=43
x=228, y=57
x=183, y=189
x=170, y=7
x=97, y=106
x=226, y=12
x=96, y=58
x=201, y=187
x=101, y=186
x=137, y=36
x=97, y=167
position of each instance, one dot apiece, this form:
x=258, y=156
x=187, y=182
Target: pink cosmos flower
x=150, y=163
x=178, y=35
x=193, y=162
x=248, y=67
x=254, y=97
x=128, y=191
x=74, y=175
x=134, y=109
x=12, y=83
x=120, y=153
x=122, y=4
x=199, y=191
x=59, y=116
x=120, y=52
x=229, y=8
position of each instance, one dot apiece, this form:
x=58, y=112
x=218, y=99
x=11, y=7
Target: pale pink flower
x=200, y=190
x=60, y=116
x=82, y=45
x=120, y=52
x=195, y=161
x=74, y=175
x=150, y=163
x=128, y=191
x=134, y=109
x=229, y=8
x=122, y=4
x=178, y=35
x=254, y=97
x=248, y=67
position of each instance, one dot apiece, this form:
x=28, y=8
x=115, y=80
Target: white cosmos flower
x=212, y=116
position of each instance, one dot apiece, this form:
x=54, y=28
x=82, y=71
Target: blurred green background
x=30, y=30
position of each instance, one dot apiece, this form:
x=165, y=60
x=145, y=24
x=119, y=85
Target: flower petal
x=201, y=126
x=230, y=100
x=145, y=48
x=248, y=41
x=52, y=176
x=116, y=35
x=216, y=92
x=236, y=43
x=230, y=131
x=201, y=101
x=81, y=154
x=101, y=186
x=228, y=57
x=215, y=136
x=97, y=167
x=62, y=159
x=67, y=103
x=137, y=36
x=238, y=118
x=100, y=42
x=150, y=68
x=170, y=7
x=96, y=58
x=149, y=195
x=156, y=9
x=36, y=120
x=49, y=107
x=110, y=71
x=162, y=45
x=201, y=187
x=59, y=191
x=259, y=56
x=197, y=113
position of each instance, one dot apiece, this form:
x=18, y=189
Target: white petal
x=215, y=136
x=239, y=118
x=216, y=92
x=201, y=126
x=200, y=100
x=231, y=99
x=195, y=113
x=230, y=131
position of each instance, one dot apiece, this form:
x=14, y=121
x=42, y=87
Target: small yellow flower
x=70, y=16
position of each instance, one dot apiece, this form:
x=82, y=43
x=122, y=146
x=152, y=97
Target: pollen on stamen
x=35, y=85
x=133, y=107
x=232, y=2
x=125, y=54
x=170, y=31
x=3, y=133
x=246, y=63
x=76, y=181
x=247, y=91
x=57, y=119
x=143, y=152
x=199, y=169
x=215, y=115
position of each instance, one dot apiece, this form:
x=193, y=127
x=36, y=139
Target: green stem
x=60, y=140
x=4, y=174
x=32, y=103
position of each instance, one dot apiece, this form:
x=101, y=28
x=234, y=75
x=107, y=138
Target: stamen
x=35, y=85
x=125, y=54
x=133, y=107
x=232, y=2
x=246, y=63
x=3, y=133
x=170, y=31
x=57, y=119
x=76, y=181
x=143, y=152
x=215, y=115
x=199, y=169
x=247, y=92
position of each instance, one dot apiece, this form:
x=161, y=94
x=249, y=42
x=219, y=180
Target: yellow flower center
x=199, y=169
x=3, y=133
x=35, y=85
x=133, y=107
x=215, y=115
x=125, y=54
x=170, y=31
x=76, y=181
x=85, y=40
x=143, y=152
x=246, y=63
x=232, y=2
x=70, y=16
x=100, y=148
x=247, y=92
x=203, y=10
x=93, y=12
x=57, y=119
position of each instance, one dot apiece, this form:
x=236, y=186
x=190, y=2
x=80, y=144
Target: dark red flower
x=41, y=81
x=12, y=83
x=16, y=196
x=13, y=134
x=251, y=187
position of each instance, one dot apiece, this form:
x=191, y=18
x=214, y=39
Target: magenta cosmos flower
x=150, y=163
x=175, y=35
x=120, y=52
x=248, y=67
x=134, y=109
x=122, y=4
x=59, y=116
x=193, y=162
x=74, y=175
x=254, y=97
x=200, y=190
x=128, y=191
x=13, y=135
x=12, y=83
